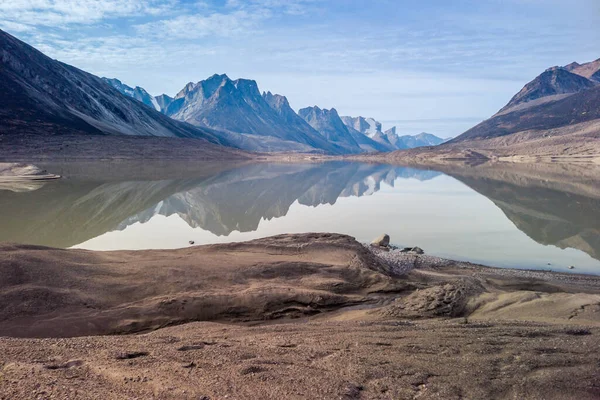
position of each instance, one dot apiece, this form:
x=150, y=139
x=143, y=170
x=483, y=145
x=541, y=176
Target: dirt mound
x=47, y=292
x=444, y=300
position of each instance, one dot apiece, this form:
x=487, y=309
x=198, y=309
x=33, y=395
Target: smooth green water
x=494, y=222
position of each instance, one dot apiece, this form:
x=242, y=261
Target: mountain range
x=390, y=138
x=45, y=98
x=554, y=115
x=238, y=106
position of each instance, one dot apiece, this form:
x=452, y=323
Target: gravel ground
x=402, y=262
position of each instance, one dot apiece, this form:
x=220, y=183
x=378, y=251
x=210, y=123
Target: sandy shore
x=291, y=316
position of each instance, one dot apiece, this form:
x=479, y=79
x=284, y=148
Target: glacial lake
x=497, y=218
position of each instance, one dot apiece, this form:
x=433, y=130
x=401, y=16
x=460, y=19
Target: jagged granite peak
x=394, y=139
x=366, y=126
x=277, y=102
x=555, y=81
x=370, y=128
x=189, y=87
x=412, y=141
x=211, y=85
x=391, y=131
x=329, y=124
x=247, y=86
x=421, y=140
x=164, y=101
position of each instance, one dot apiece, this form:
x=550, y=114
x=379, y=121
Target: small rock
x=191, y=242
x=131, y=355
x=190, y=365
x=252, y=369
x=352, y=391
x=382, y=241
x=417, y=250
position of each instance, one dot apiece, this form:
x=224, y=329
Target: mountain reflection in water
x=69, y=212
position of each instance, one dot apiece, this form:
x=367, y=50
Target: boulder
x=382, y=241
x=416, y=250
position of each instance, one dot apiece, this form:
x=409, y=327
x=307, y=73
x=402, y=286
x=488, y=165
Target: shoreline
x=84, y=148
x=89, y=269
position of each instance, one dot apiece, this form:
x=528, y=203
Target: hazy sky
x=432, y=65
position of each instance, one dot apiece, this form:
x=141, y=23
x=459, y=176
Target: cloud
x=236, y=18
x=57, y=13
x=199, y=26
x=16, y=26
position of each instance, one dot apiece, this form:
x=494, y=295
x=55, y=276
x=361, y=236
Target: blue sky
x=435, y=66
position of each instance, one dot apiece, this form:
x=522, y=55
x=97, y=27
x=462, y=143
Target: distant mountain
x=420, y=140
x=366, y=126
x=371, y=128
x=390, y=140
x=558, y=98
x=377, y=143
x=329, y=124
x=137, y=93
x=163, y=102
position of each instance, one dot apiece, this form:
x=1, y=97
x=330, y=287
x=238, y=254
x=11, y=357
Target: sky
x=437, y=66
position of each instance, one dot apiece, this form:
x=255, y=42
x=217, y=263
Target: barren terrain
x=291, y=316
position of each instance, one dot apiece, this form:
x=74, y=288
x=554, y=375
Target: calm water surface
x=506, y=222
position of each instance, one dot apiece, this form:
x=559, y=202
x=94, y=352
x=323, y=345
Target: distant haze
x=434, y=66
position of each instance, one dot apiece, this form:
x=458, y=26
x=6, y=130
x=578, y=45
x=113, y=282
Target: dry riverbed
x=309, y=316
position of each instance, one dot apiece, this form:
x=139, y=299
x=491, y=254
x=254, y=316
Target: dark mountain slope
x=577, y=108
x=42, y=96
x=552, y=82
x=587, y=70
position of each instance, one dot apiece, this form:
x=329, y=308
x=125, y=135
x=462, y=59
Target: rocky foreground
x=293, y=316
